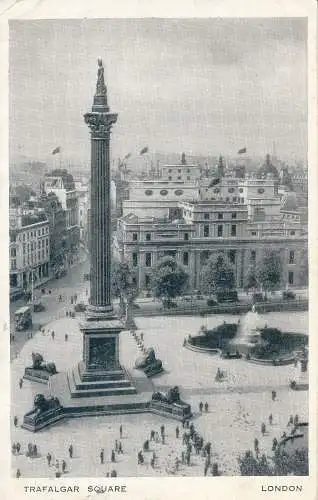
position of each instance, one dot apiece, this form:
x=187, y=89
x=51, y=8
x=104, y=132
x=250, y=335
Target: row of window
x=148, y=236
x=185, y=257
x=164, y=192
x=206, y=230
x=33, y=234
x=27, y=247
x=32, y=258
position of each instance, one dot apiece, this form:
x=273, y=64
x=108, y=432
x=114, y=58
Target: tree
x=168, y=279
x=123, y=283
x=24, y=193
x=269, y=271
x=252, y=466
x=251, y=280
x=217, y=277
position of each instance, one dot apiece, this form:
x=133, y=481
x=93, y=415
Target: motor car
x=230, y=296
x=80, y=307
x=258, y=297
x=289, y=295
x=38, y=307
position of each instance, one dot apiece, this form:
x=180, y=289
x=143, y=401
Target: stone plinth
x=100, y=372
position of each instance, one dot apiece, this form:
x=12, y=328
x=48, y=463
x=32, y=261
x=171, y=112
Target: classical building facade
x=29, y=248
x=240, y=219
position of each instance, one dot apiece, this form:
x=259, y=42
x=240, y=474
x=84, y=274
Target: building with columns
x=240, y=219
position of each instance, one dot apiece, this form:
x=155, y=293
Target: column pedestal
x=100, y=372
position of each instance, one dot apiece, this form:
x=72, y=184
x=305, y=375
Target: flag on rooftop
x=56, y=150
x=242, y=151
x=214, y=182
x=144, y=150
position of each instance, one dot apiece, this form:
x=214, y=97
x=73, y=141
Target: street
x=67, y=286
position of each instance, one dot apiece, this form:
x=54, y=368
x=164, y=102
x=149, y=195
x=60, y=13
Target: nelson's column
x=100, y=372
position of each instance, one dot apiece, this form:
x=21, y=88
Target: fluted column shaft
x=100, y=237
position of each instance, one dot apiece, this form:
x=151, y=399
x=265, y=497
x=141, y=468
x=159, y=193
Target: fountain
x=248, y=332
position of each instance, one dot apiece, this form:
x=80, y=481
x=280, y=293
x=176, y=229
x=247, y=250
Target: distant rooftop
x=67, y=178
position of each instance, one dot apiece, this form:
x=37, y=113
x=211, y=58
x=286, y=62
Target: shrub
x=271, y=335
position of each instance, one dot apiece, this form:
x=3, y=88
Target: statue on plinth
x=170, y=397
x=148, y=363
x=100, y=84
x=38, y=364
x=41, y=405
x=39, y=371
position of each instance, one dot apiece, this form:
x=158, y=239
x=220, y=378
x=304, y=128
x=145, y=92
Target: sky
x=202, y=86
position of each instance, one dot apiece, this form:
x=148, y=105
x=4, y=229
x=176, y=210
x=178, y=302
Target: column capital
x=100, y=124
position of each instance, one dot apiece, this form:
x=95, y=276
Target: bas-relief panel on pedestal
x=102, y=353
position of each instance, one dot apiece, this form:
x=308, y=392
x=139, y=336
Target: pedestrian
x=157, y=437
x=270, y=419
x=66, y=337
x=67, y=314
x=208, y=449
x=290, y=421
x=30, y=449
x=263, y=428
x=206, y=407
x=18, y=447
x=21, y=383
x=200, y=406
x=113, y=457
x=70, y=451
x=52, y=334
x=75, y=298
x=15, y=421
x=275, y=443
x=72, y=300
x=140, y=458
x=101, y=455
x=113, y=473
x=146, y=445
x=177, y=432
x=256, y=447
x=296, y=420
x=116, y=445
x=18, y=474
x=152, y=435
x=141, y=337
x=60, y=298
x=63, y=466
x=35, y=451
x=49, y=459
x=120, y=448
x=152, y=463
x=162, y=430
x=163, y=438
x=121, y=431
x=274, y=395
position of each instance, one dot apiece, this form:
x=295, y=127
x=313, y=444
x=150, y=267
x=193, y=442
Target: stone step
x=97, y=384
